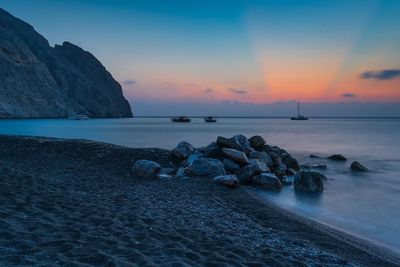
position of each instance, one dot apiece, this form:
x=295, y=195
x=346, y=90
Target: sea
x=366, y=205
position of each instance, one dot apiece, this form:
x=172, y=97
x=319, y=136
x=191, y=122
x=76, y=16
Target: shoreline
x=92, y=173
x=360, y=242
x=387, y=250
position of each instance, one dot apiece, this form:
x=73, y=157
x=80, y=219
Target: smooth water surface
x=364, y=204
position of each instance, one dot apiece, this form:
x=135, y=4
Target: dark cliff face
x=37, y=80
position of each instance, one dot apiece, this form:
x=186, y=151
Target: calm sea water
x=364, y=204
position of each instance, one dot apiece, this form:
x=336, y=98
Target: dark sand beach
x=76, y=203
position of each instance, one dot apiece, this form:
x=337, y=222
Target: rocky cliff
x=39, y=81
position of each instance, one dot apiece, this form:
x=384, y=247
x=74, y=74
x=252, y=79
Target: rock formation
x=40, y=81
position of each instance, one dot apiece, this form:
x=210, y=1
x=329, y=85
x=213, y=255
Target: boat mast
x=298, y=108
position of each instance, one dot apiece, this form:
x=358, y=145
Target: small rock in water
x=227, y=180
x=205, y=167
x=183, y=150
x=314, y=156
x=257, y=142
x=236, y=155
x=356, y=166
x=230, y=165
x=337, y=157
x=225, y=142
x=146, y=169
x=267, y=180
x=308, y=181
x=246, y=173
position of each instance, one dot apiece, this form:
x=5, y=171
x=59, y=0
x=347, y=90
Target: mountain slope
x=39, y=81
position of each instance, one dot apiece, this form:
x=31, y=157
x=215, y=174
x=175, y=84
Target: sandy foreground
x=76, y=203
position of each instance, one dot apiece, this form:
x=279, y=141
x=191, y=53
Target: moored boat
x=210, y=119
x=181, y=119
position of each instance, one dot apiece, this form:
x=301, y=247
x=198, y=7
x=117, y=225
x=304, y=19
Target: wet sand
x=76, y=203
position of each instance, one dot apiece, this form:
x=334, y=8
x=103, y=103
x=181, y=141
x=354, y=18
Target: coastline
x=340, y=235
x=236, y=225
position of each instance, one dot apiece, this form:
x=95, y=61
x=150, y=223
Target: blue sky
x=256, y=52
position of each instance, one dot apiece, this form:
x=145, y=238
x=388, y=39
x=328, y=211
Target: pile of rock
x=238, y=160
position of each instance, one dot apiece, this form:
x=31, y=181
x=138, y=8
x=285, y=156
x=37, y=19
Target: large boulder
x=246, y=173
x=146, y=169
x=192, y=157
x=227, y=180
x=226, y=142
x=243, y=143
x=260, y=164
x=230, y=165
x=213, y=151
x=356, y=166
x=308, y=181
x=267, y=180
x=337, y=157
x=236, y=155
x=257, y=142
x=183, y=150
x=205, y=167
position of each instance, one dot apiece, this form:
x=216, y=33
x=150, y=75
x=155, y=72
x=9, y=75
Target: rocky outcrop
x=38, y=81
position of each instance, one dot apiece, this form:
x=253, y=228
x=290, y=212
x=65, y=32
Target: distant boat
x=210, y=119
x=299, y=117
x=79, y=117
x=181, y=119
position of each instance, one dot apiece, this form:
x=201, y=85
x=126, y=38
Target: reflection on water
x=365, y=204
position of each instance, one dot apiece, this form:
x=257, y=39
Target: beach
x=76, y=203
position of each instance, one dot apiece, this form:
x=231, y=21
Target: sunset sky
x=253, y=52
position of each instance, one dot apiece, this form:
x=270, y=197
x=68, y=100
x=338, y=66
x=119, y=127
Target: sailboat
x=299, y=117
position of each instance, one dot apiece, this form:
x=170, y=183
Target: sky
x=257, y=56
